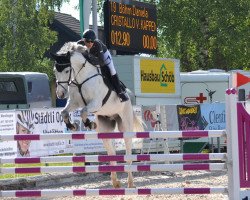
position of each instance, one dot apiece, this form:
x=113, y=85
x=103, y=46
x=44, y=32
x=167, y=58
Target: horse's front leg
x=65, y=115
x=92, y=107
x=86, y=121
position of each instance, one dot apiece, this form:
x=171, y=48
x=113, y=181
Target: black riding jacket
x=96, y=53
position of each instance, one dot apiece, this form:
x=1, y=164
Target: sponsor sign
x=189, y=118
x=157, y=76
x=7, y=126
x=214, y=116
x=48, y=121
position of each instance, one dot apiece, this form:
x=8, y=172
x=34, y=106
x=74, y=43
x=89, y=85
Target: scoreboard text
x=130, y=26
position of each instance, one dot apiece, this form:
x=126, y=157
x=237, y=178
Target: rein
x=79, y=85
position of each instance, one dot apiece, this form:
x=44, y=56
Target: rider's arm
x=99, y=51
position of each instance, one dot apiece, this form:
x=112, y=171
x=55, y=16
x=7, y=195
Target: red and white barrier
x=103, y=192
x=237, y=159
x=118, y=158
x=114, y=168
x=116, y=135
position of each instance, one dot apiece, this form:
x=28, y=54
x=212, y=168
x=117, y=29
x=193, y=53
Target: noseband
x=60, y=67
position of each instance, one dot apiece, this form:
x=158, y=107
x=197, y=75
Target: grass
x=9, y=176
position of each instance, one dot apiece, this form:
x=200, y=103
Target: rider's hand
x=81, y=42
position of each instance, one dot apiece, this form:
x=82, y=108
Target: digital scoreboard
x=130, y=26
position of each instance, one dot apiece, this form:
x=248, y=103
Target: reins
x=79, y=85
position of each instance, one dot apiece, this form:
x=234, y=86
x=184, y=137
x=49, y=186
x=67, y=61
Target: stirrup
x=123, y=96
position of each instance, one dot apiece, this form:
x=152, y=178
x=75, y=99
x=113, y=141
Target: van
x=21, y=90
x=203, y=86
x=208, y=86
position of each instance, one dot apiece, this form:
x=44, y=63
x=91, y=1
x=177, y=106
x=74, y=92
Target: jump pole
x=118, y=158
x=116, y=135
x=104, y=192
x=115, y=168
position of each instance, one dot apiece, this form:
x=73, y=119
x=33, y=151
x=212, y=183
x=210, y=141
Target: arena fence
x=236, y=161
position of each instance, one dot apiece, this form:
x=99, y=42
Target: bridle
x=79, y=85
x=73, y=82
x=63, y=66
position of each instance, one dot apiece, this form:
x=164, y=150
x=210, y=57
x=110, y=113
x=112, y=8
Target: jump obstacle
x=237, y=160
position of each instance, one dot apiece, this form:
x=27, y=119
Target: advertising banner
x=7, y=126
x=189, y=118
x=49, y=121
x=213, y=116
x=203, y=117
x=157, y=76
x=149, y=116
x=41, y=121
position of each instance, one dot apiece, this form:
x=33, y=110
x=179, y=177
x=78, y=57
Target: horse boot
x=116, y=83
x=91, y=125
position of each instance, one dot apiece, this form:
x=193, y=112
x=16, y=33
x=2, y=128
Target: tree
x=25, y=34
x=205, y=34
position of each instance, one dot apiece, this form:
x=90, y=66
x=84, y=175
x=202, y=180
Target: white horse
x=83, y=83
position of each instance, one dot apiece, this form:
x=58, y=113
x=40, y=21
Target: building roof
x=70, y=22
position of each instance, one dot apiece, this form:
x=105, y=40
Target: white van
x=208, y=86
x=203, y=86
x=19, y=90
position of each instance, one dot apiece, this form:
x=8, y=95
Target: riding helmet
x=89, y=35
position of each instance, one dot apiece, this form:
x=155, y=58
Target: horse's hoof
x=76, y=127
x=70, y=126
x=117, y=184
x=131, y=186
x=93, y=125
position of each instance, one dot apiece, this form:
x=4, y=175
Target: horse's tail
x=138, y=123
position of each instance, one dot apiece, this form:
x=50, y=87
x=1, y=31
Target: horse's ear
x=54, y=56
x=68, y=54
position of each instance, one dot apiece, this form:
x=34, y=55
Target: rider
x=99, y=51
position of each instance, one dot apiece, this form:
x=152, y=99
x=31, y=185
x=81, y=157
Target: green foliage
x=25, y=34
x=205, y=34
x=202, y=34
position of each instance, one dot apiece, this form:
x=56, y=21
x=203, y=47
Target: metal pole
x=85, y=8
x=81, y=17
x=94, y=16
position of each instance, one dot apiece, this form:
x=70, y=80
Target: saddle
x=105, y=72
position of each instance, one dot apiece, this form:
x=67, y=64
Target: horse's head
x=78, y=57
x=62, y=70
x=69, y=57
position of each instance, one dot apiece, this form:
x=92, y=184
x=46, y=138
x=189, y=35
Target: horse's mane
x=71, y=46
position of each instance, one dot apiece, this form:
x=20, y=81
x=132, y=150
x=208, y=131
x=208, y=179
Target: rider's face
x=88, y=44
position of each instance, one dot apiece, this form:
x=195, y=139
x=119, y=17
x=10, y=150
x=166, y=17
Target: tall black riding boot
x=116, y=83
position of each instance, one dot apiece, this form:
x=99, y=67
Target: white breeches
x=109, y=62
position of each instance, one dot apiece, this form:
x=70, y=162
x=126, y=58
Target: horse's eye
x=67, y=71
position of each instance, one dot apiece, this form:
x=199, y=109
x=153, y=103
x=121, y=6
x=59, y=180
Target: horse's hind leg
x=128, y=144
x=105, y=125
x=111, y=151
x=126, y=124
